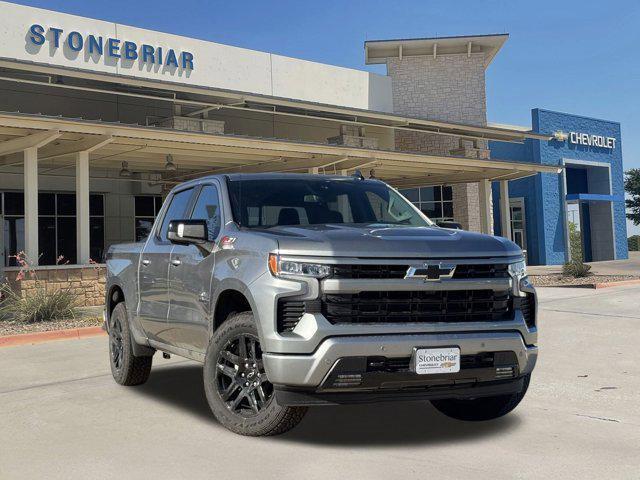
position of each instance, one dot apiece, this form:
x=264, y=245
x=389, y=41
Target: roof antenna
x=358, y=174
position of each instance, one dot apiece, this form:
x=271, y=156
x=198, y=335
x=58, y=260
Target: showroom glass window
x=435, y=202
x=146, y=210
x=56, y=227
x=12, y=208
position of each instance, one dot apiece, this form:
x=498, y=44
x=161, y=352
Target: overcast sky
x=572, y=56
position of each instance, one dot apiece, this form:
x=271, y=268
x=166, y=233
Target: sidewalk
x=611, y=267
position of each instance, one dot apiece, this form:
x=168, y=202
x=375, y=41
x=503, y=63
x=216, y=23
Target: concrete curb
x=594, y=286
x=616, y=284
x=41, y=337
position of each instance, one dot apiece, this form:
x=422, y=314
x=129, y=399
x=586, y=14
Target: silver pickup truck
x=305, y=290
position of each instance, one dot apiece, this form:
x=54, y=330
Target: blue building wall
x=543, y=193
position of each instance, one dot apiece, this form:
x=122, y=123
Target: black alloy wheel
x=126, y=367
x=116, y=345
x=238, y=391
x=240, y=377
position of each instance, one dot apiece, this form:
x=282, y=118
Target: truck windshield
x=265, y=203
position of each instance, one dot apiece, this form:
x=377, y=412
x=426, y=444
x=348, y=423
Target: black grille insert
x=370, y=271
x=418, y=306
x=463, y=271
x=528, y=308
x=289, y=314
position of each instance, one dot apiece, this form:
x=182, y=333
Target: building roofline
x=586, y=117
x=378, y=51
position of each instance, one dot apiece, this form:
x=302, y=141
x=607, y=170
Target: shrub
x=576, y=269
x=38, y=306
x=634, y=243
x=575, y=242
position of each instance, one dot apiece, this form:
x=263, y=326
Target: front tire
x=127, y=369
x=239, y=394
x=480, y=409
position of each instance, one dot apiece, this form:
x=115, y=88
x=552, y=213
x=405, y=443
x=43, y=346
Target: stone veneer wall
x=448, y=88
x=87, y=283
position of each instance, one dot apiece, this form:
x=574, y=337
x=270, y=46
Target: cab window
x=208, y=208
x=176, y=211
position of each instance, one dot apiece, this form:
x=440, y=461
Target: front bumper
x=296, y=397
x=312, y=371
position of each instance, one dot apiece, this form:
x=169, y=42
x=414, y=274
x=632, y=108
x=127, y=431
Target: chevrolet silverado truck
x=305, y=290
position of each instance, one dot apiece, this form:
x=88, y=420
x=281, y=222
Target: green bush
x=634, y=243
x=576, y=269
x=575, y=242
x=38, y=306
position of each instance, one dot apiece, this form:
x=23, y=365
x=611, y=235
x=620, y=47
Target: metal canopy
x=195, y=154
x=201, y=99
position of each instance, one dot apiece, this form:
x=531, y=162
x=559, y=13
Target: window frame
x=55, y=216
x=421, y=203
x=194, y=200
x=165, y=208
x=156, y=198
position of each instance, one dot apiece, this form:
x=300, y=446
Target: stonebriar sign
x=115, y=48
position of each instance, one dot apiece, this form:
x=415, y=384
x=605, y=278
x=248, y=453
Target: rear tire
x=126, y=368
x=239, y=394
x=481, y=409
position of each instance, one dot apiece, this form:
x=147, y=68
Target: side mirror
x=188, y=232
x=454, y=225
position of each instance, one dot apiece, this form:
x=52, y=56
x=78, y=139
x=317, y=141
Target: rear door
x=154, y=268
x=190, y=276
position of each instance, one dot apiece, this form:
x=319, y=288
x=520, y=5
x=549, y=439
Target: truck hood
x=337, y=240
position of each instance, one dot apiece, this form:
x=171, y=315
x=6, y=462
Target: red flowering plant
x=36, y=303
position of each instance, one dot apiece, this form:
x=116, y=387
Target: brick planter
x=87, y=282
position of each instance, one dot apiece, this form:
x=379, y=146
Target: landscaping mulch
x=562, y=281
x=15, y=328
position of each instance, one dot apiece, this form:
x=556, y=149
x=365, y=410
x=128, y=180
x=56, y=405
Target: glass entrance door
x=518, y=226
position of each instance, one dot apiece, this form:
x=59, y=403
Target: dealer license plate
x=427, y=361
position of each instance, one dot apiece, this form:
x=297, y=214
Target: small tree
x=632, y=187
x=575, y=243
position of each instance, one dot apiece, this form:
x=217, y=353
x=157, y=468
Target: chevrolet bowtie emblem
x=431, y=271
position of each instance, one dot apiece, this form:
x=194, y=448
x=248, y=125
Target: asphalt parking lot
x=62, y=416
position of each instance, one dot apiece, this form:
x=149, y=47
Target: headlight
x=518, y=270
x=283, y=268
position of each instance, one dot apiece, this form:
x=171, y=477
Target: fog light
x=345, y=380
x=505, y=372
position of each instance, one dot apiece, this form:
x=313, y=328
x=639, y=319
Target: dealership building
x=99, y=120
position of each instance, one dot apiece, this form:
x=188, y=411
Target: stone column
x=449, y=88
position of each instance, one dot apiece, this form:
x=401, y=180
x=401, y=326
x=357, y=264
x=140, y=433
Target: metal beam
x=88, y=144
x=35, y=140
x=144, y=136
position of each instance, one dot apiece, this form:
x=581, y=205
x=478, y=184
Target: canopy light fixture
x=124, y=171
x=169, y=165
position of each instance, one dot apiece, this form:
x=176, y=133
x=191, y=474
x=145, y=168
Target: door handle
x=146, y=262
x=175, y=262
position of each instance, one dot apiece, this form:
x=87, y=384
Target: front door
x=190, y=276
x=518, y=226
x=154, y=270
